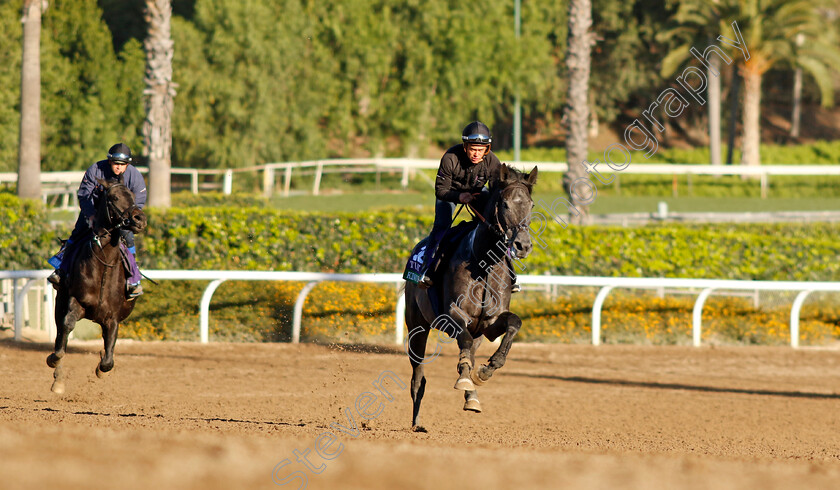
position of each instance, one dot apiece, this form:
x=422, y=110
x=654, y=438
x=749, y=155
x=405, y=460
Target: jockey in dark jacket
x=464, y=170
x=116, y=166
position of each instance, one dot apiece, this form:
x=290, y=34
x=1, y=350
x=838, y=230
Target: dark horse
x=95, y=287
x=475, y=290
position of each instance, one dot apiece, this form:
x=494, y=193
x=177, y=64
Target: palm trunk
x=714, y=111
x=797, y=93
x=160, y=91
x=752, y=107
x=797, y=103
x=735, y=83
x=29, y=156
x=577, y=110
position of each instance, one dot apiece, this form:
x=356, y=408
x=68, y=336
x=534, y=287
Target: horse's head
x=117, y=208
x=510, y=207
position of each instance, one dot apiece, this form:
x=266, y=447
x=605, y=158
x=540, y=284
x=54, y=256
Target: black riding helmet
x=477, y=133
x=120, y=153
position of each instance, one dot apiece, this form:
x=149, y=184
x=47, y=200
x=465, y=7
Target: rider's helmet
x=119, y=153
x=476, y=133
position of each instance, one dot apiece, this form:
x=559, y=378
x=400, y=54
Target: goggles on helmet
x=119, y=157
x=480, y=139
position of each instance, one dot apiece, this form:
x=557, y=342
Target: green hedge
x=817, y=153
x=266, y=239
x=26, y=235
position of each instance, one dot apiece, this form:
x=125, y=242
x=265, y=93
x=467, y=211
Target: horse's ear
x=104, y=183
x=504, y=172
x=532, y=176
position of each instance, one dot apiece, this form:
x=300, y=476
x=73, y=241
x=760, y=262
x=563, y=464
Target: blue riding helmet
x=120, y=153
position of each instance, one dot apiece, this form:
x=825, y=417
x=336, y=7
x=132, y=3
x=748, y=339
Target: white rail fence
x=65, y=184
x=15, y=297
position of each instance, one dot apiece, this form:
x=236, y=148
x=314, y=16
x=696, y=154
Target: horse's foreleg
x=465, y=361
x=509, y=323
x=471, y=402
x=109, y=338
x=67, y=313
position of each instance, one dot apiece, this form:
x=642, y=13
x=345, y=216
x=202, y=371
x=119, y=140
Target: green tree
x=10, y=59
x=626, y=55
x=696, y=24
x=91, y=96
x=770, y=29
x=266, y=85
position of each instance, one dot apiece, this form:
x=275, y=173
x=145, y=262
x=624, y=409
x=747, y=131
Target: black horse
x=475, y=290
x=95, y=286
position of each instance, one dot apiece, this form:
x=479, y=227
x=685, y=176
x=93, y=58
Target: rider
x=464, y=170
x=117, y=164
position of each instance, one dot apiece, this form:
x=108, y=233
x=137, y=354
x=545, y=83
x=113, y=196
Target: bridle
x=123, y=217
x=496, y=228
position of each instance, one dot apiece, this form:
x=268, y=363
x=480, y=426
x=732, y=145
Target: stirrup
x=133, y=291
x=425, y=282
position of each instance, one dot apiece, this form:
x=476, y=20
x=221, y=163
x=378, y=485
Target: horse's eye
x=505, y=205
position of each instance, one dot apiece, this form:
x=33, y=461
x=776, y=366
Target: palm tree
x=697, y=24
x=160, y=91
x=577, y=110
x=770, y=29
x=29, y=162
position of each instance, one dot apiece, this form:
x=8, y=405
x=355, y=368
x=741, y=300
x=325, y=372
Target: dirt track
x=222, y=416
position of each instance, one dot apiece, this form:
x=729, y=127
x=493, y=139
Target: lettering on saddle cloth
x=421, y=258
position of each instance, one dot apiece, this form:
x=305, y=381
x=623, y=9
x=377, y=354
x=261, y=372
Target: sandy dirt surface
x=228, y=416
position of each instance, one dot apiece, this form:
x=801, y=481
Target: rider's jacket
x=90, y=189
x=458, y=174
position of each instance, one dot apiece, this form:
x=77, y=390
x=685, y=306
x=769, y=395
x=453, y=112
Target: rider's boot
x=55, y=261
x=133, y=290
x=132, y=285
x=514, y=286
x=55, y=278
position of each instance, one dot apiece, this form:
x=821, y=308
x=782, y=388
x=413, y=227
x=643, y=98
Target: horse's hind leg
x=67, y=313
x=508, y=323
x=109, y=338
x=416, y=354
x=471, y=402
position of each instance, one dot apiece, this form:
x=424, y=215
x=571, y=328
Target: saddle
x=435, y=267
x=69, y=253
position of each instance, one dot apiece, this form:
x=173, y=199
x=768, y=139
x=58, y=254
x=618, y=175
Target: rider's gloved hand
x=465, y=197
x=90, y=221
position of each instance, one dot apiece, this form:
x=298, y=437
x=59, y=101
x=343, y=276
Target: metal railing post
x=696, y=315
x=794, y=318
x=19, y=308
x=298, y=313
x=204, y=310
x=399, y=321
x=596, y=314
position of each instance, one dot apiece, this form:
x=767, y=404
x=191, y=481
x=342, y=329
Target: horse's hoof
x=100, y=373
x=472, y=405
x=476, y=378
x=464, y=384
x=53, y=360
x=57, y=387
x=418, y=428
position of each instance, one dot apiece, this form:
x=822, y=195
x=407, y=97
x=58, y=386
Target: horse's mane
x=513, y=176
